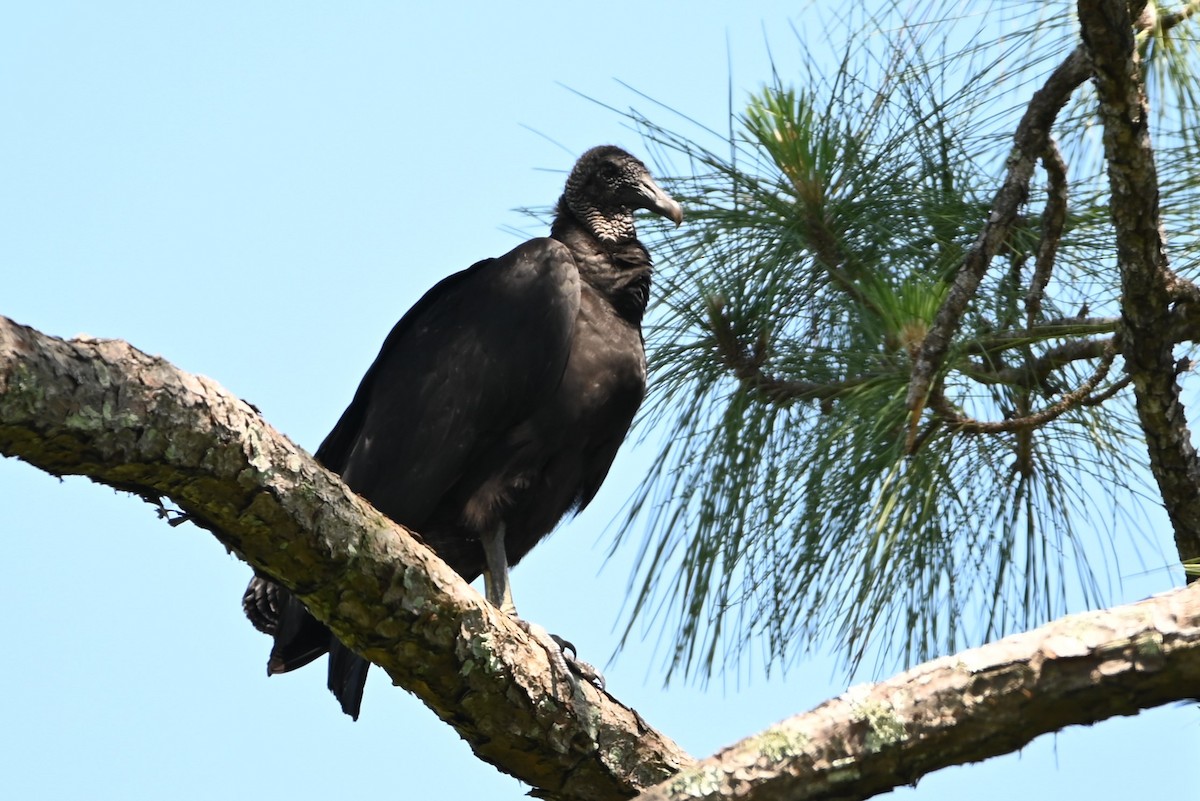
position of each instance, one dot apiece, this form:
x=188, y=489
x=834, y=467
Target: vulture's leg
x=495, y=576
x=498, y=591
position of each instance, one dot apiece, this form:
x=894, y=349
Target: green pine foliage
x=787, y=506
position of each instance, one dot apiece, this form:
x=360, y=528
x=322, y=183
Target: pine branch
x=1170, y=19
x=1029, y=143
x=1054, y=218
x=873, y=738
x=1146, y=280
x=1051, y=329
x=1185, y=310
x=1035, y=373
x=832, y=258
x=1074, y=399
x=747, y=366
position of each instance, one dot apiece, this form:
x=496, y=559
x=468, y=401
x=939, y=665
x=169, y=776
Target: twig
x=1029, y=142
x=747, y=367
x=1035, y=372
x=1113, y=389
x=1076, y=397
x=832, y=257
x=1054, y=217
x=1051, y=329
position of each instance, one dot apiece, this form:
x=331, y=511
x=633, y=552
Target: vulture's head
x=604, y=188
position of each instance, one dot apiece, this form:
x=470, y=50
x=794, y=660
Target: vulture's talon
x=555, y=652
x=563, y=659
x=584, y=670
x=565, y=645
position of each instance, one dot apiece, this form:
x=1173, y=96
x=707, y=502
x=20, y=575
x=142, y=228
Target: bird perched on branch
x=497, y=403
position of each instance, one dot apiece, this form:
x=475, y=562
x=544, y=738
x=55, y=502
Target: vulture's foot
x=562, y=657
x=584, y=670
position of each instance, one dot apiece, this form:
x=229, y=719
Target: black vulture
x=497, y=403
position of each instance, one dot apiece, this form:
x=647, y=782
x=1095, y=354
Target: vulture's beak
x=652, y=198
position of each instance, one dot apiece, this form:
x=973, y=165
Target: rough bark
x=1146, y=280
x=103, y=409
x=963, y=708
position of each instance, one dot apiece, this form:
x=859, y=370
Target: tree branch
x=1167, y=20
x=1029, y=143
x=747, y=366
x=977, y=704
x=1077, y=397
x=1054, y=218
x=1146, y=281
x=103, y=409
x=1034, y=373
x=1185, y=309
x=1050, y=329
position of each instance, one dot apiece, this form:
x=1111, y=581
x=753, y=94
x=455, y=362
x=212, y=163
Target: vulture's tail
x=300, y=638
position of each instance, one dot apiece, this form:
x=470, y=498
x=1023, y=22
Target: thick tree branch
x=977, y=704
x=1029, y=143
x=103, y=409
x=1146, y=281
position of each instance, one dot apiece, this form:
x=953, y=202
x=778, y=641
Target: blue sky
x=257, y=191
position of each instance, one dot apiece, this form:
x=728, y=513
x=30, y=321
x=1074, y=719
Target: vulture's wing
x=475, y=355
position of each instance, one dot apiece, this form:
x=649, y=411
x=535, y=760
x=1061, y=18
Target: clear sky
x=257, y=191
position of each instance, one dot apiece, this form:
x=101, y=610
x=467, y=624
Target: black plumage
x=497, y=403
